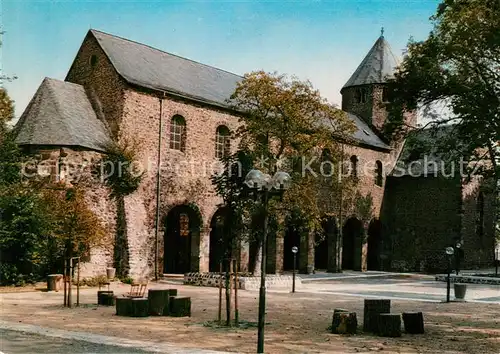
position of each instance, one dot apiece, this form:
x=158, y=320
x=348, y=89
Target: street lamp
x=449, y=251
x=497, y=260
x=294, y=251
x=264, y=186
x=458, y=253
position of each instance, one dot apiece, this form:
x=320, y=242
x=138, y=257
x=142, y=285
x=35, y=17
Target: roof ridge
x=165, y=52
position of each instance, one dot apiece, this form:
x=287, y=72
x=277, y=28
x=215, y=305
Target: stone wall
x=421, y=217
x=73, y=166
x=102, y=83
x=185, y=176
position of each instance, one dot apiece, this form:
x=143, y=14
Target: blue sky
x=323, y=41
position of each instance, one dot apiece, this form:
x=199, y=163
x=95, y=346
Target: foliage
x=119, y=170
x=6, y=111
x=127, y=280
x=75, y=227
x=24, y=234
x=288, y=126
x=40, y=226
x=10, y=156
x=457, y=66
x=93, y=281
x=10, y=160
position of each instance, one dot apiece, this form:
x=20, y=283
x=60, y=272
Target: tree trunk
x=228, y=292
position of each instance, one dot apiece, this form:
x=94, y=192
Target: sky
x=320, y=41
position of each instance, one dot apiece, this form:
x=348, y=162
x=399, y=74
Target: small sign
x=295, y=249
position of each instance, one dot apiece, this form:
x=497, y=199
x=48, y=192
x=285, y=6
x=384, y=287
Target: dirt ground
x=294, y=322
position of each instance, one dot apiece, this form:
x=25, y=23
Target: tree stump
x=335, y=320
x=105, y=298
x=139, y=307
x=389, y=325
x=180, y=306
x=159, y=301
x=123, y=306
x=414, y=322
x=372, y=308
x=344, y=322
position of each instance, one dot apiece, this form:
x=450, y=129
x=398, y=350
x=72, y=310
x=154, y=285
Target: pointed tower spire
x=378, y=64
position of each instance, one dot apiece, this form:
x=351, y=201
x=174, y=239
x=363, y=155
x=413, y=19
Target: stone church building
x=175, y=111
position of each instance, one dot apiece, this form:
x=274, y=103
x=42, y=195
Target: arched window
x=480, y=215
x=379, y=174
x=178, y=133
x=354, y=166
x=222, y=141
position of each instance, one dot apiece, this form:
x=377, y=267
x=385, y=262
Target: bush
x=9, y=275
x=127, y=280
x=92, y=281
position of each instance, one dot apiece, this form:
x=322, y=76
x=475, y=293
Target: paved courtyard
x=294, y=322
x=394, y=286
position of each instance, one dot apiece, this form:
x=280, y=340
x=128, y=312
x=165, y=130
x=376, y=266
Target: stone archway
x=216, y=244
x=374, y=244
x=182, y=240
x=352, y=240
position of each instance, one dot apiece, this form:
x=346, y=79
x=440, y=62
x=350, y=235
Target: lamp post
x=294, y=251
x=264, y=186
x=458, y=253
x=449, y=251
x=497, y=260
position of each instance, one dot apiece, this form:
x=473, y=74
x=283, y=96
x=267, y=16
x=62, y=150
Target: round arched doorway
x=182, y=229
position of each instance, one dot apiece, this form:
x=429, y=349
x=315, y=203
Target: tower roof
x=377, y=65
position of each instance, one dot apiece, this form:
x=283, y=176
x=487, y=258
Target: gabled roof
x=60, y=114
x=377, y=65
x=152, y=68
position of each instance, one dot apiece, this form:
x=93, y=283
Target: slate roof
x=60, y=114
x=152, y=68
x=365, y=135
x=155, y=69
x=377, y=65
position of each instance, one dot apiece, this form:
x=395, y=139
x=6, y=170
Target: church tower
x=364, y=94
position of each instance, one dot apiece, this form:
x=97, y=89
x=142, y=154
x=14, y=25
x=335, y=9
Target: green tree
x=235, y=210
x=25, y=227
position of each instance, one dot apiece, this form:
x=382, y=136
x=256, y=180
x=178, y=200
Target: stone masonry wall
x=478, y=248
x=421, y=217
x=185, y=176
x=102, y=83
